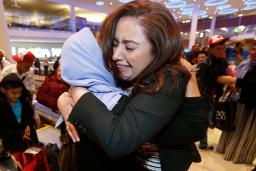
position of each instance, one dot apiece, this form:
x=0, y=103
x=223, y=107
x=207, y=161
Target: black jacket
x=11, y=131
x=247, y=85
x=208, y=74
x=146, y=117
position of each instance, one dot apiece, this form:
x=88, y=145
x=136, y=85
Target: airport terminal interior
x=34, y=32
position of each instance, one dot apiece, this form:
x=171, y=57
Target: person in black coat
x=16, y=117
x=159, y=84
x=234, y=144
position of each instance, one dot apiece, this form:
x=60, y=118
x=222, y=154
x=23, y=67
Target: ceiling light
x=207, y=8
x=250, y=2
x=204, y=16
x=215, y=2
x=99, y=3
x=240, y=15
x=189, y=7
x=222, y=7
x=249, y=8
x=201, y=13
x=228, y=11
x=175, y=4
x=124, y=1
x=210, y=17
x=111, y=3
x=189, y=13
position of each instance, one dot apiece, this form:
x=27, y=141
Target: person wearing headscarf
x=240, y=145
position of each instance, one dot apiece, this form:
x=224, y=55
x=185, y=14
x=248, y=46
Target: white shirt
x=5, y=63
x=29, y=76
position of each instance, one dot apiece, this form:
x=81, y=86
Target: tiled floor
x=49, y=134
x=211, y=160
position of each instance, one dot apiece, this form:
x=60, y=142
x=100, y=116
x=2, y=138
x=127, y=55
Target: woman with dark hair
x=141, y=46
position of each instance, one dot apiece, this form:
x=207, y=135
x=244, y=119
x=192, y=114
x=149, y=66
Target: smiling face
x=131, y=50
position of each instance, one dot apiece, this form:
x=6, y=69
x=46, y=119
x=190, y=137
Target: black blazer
x=11, y=131
x=143, y=118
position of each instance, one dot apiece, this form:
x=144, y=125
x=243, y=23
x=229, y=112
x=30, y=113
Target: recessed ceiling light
x=250, y=2
x=240, y=15
x=111, y=3
x=249, y=8
x=223, y=7
x=124, y=1
x=228, y=11
x=175, y=4
x=210, y=17
x=207, y=8
x=215, y=2
x=99, y=3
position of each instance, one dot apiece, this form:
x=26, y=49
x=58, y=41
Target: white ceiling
x=87, y=7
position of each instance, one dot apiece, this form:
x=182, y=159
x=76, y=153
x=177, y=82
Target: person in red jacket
x=51, y=89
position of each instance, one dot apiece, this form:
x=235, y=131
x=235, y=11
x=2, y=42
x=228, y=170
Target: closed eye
x=129, y=49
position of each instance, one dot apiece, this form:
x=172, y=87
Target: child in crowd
x=17, y=125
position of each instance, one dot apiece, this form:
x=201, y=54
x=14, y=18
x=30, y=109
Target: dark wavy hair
x=161, y=31
x=12, y=81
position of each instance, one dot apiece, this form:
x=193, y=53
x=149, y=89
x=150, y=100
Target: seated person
x=51, y=89
x=17, y=124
